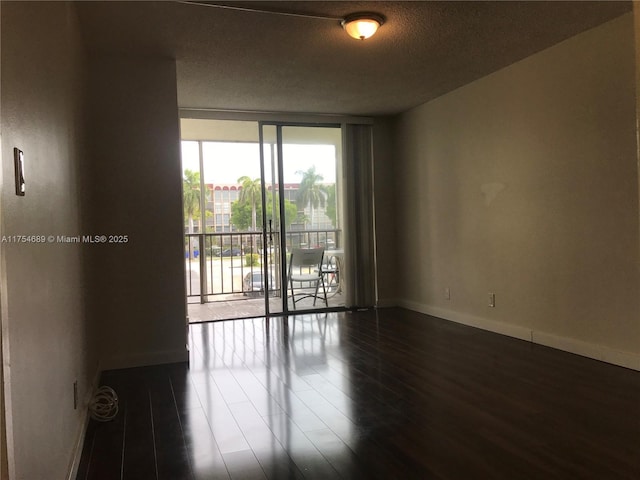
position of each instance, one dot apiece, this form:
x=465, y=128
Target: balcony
x=228, y=259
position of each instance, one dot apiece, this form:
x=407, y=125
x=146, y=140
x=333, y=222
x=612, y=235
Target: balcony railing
x=217, y=263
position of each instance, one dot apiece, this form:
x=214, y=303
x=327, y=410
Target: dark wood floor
x=390, y=394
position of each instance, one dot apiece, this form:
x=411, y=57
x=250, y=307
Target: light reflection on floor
x=270, y=378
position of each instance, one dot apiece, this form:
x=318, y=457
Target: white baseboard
x=144, y=359
x=387, y=303
x=77, y=450
x=473, y=321
x=84, y=424
x=598, y=352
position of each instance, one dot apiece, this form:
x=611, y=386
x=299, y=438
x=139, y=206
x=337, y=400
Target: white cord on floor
x=104, y=404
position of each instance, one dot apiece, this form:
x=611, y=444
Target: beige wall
x=525, y=184
x=4, y=465
x=46, y=341
x=636, y=14
x=138, y=288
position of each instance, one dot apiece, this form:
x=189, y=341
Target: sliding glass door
x=253, y=192
x=301, y=188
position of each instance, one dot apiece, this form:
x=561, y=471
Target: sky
x=225, y=162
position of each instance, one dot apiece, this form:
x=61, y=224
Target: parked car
x=231, y=252
x=253, y=283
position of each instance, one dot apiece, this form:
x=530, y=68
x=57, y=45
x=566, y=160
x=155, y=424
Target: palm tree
x=191, y=193
x=251, y=194
x=191, y=203
x=311, y=191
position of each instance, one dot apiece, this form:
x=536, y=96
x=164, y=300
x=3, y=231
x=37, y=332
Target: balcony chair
x=331, y=272
x=305, y=268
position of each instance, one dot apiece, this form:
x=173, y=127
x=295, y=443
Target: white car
x=254, y=283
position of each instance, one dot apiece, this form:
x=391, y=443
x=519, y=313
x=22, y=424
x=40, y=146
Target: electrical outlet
x=492, y=299
x=447, y=293
x=75, y=395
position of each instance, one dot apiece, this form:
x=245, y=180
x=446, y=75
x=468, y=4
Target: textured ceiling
x=239, y=60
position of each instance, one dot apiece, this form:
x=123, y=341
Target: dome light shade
x=362, y=25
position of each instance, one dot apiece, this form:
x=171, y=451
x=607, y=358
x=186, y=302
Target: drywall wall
x=45, y=336
x=4, y=465
x=636, y=16
x=137, y=282
x=525, y=184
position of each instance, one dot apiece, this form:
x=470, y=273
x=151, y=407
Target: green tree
x=241, y=213
x=330, y=210
x=250, y=194
x=311, y=192
x=290, y=211
x=191, y=194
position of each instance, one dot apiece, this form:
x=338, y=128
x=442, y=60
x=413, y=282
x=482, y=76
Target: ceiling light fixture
x=362, y=25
